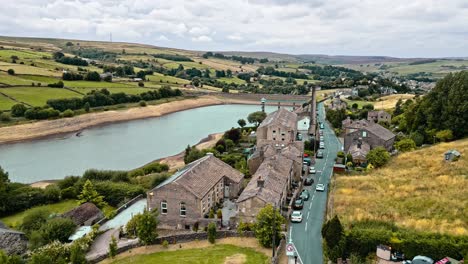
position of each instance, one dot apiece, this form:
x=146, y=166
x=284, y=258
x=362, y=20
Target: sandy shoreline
x=48, y=128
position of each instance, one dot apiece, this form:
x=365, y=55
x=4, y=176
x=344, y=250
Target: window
x=183, y=209
x=164, y=207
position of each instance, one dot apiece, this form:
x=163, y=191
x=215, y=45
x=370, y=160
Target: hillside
x=416, y=190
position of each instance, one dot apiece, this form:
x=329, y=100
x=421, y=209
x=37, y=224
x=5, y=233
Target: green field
x=5, y=102
x=38, y=96
x=39, y=78
x=57, y=208
x=27, y=69
x=216, y=254
x=157, y=77
x=231, y=80
x=359, y=103
x=5, y=55
x=187, y=65
x=13, y=79
x=88, y=84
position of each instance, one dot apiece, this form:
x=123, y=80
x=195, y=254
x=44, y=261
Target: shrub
x=406, y=144
x=141, y=84
x=11, y=71
x=142, y=103
x=18, y=110
x=113, y=247
x=86, y=107
x=58, y=229
x=165, y=244
x=219, y=214
x=58, y=84
x=5, y=117
x=212, y=232
x=116, y=193
x=444, y=135
x=34, y=220
x=68, y=113
x=378, y=157
x=68, y=193
x=211, y=214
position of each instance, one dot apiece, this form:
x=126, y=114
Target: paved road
x=306, y=235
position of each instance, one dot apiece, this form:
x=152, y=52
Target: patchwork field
x=27, y=69
x=37, y=96
x=5, y=102
x=389, y=101
x=157, y=77
x=127, y=90
x=416, y=190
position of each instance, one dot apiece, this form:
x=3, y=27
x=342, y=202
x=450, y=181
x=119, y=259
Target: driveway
x=306, y=236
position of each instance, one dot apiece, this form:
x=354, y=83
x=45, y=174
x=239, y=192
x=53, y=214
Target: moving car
x=298, y=204
x=319, y=154
x=308, y=181
x=312, y=170
x=304, y=195
x=296, y=217
x=320, y=187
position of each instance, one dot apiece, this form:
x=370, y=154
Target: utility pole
x=274, y=232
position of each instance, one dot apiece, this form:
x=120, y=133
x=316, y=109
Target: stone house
x=11, y=241
x=369, y=136
x=379, y=116
x=338, y=104
x=187, y=196
x=86, y=214
x=279, y=126
x=269, y=185
x=292, y=151
x=350, y=125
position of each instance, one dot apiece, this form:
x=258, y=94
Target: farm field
x=231, y=80
x=85, y=84
x=27, y=69
x=5, y=102
x=217, y=254
x=37, y=96
x=7, y=79
x=157, y=77
x=389, y=101
x=127, y=90
x=416, y=190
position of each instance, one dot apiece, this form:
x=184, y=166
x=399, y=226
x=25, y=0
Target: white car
x=296, y=217
x=312, y=170
x=320, y=187
x=322, y=145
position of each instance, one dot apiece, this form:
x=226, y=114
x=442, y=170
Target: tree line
x=172, y=57
x=241, y=59
x=272, y=71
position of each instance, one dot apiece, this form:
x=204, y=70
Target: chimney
x=279, y=105
x=260, y=182
x=263, y=101
x=294, y=106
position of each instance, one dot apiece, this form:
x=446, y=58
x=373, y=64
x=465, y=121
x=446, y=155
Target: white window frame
x=183, y=210
x=164, y=202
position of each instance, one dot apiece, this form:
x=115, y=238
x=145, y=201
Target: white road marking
x=290, y=232
x=308, y=215
x=310, y=206
x=306, y=227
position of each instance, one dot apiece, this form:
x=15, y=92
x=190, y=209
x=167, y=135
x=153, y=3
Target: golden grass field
x=416, y=190
x=389, y=101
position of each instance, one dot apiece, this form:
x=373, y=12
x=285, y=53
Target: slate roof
x=359, y=153
x=380, y=131
x=275, y=172
x=201, y=175
x=282, y=117
x=83, y=213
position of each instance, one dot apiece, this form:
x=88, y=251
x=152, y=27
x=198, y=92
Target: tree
x=212, y=232
x=228, y=73
x=18, y=110
x=4, y=180
x=77, y=254
x=58, y=229
x=354, y=106
x=444, y=135
x=333, y=235
x=368, y=106
x=11, y=72
x=5, y=117
x=268, y=225
x=146, y=227
x=196, y=81
x=69, y=44
x=405, y=145
x=256, y=117
x=58, y=55
x=378, y=157
x=87, y=107
x=113, y=247
x=241, y=122
x=225, y=89
x=93, y=76
x=89, y=194
x=398, y=108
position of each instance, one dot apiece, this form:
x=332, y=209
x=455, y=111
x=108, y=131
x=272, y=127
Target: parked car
x=321, y=138
x=308, y=181
x=299, y=137
x=298, y=204
x=419, y=260
x=320, y=187
x=322, y=145
x=321, y=132
x=304, y=195
x=322, y=126
x=319, y=154
x=308, y=161
x=312, y=170
x=296, y=217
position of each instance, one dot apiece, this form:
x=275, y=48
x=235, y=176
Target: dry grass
x=389, y=101
x=416, y=190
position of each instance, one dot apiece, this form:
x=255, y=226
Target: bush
x=18, y=110
x=58, y=84
x=212, y=232
x=116, y=193
x=34, y=220
x=141, y=84
x=11, y=71
x=150, y=168
x=58, y=229
x=378, y=157
x=68, y=193
x=444, y=135
x=405, y=145
x=5, y=117
x=68, y=113
x=165, y=244
x=142, y=103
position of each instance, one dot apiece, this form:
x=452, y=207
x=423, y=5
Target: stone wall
x=13, y=243
x=181, y=238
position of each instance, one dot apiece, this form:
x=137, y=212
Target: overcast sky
x=415, y=28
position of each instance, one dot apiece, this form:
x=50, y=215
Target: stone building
x=187, y=197
x=86, y=214
x=379, y=116
x=278, y=127
x=11, y=241
x=366, y=137
x=269, y=185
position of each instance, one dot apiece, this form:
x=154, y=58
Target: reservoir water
x=120, y=146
